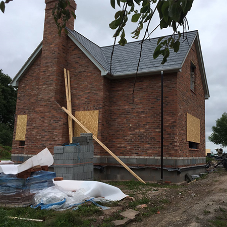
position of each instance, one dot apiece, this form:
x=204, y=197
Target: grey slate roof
x=125, y=58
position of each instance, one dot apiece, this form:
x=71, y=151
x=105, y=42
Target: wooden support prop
x=102, y=145
x=69, y=105
x=70, y=108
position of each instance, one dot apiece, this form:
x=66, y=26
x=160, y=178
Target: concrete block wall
x=75, y=162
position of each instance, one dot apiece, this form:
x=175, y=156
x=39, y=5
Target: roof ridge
x=147, y=39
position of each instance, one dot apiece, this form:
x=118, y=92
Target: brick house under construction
x=129, y=129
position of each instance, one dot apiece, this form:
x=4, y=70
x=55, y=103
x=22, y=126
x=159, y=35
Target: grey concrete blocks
x=58, y=150
x=75, y=162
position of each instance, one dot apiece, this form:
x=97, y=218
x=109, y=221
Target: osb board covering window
x=89, y=119
x=193, y=129
x=21, y=127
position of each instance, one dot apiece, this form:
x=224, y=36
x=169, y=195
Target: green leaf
x=2, y=6
x=119, y=2
x=174, y=26
x=122, y=41
x=175, y=10
x=145, y=8
x=179, y=35
x=166, y=52
x=163, y=24
x=157, y=51
x=112, y=25
x=160, y=39
x=119, y=14
x=159, y=7
x=165, y=12
x=138, y=1
x=118, y=21
x=186, y=5
x=130, y=2
x=176, y=46
x=112, y=2
x=136, y=17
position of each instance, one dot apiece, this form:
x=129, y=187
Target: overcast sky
x=22, y=30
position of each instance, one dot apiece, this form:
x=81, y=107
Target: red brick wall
x=26, y=104
x=135, y=128
x=192, y=103
x=88, y=88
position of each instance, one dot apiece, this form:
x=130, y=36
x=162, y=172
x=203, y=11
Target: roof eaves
x=145, y=72
x=31, y=59
x=88, y=54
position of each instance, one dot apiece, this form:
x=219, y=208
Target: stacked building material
x=19, y=191
x=75, y=161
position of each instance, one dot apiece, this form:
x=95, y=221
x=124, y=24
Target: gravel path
x=194, y=205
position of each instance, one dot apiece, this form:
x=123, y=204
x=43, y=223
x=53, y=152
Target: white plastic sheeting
x=70, y=194
x=9, y=169
x=93, y=189
x=43, y=158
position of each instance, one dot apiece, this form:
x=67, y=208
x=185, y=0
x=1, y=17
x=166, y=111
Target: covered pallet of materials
x=16, y=191
x=19, y=183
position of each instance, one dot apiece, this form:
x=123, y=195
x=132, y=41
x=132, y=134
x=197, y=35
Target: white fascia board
x=15, y=81
x=87, y=53
x=202, y=68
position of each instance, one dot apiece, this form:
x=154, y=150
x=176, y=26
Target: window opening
x=21, y=143
x=193, y=145
x=192, y=77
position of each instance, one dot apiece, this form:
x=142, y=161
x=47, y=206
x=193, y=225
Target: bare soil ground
x=200, y=203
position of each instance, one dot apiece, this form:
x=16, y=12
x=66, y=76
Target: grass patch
x=221, y=220
x=206, y=212
x=133, y=185
x=134, y=204
x=81, y=217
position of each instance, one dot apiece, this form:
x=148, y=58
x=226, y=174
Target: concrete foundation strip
x=103, y=146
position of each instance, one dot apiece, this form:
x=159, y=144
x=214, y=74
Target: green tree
x=172, y=13
x=219, y=135
x=8, y=96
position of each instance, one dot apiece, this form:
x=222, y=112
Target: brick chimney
x=53, y=55
x=50, y=121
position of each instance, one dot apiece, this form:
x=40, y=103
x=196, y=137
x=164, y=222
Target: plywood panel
x=193, y=129
x=89, y=119
x=21, y=127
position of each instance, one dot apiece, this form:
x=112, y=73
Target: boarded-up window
x=193, y=129
x=89, y=119
x=21, y=127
